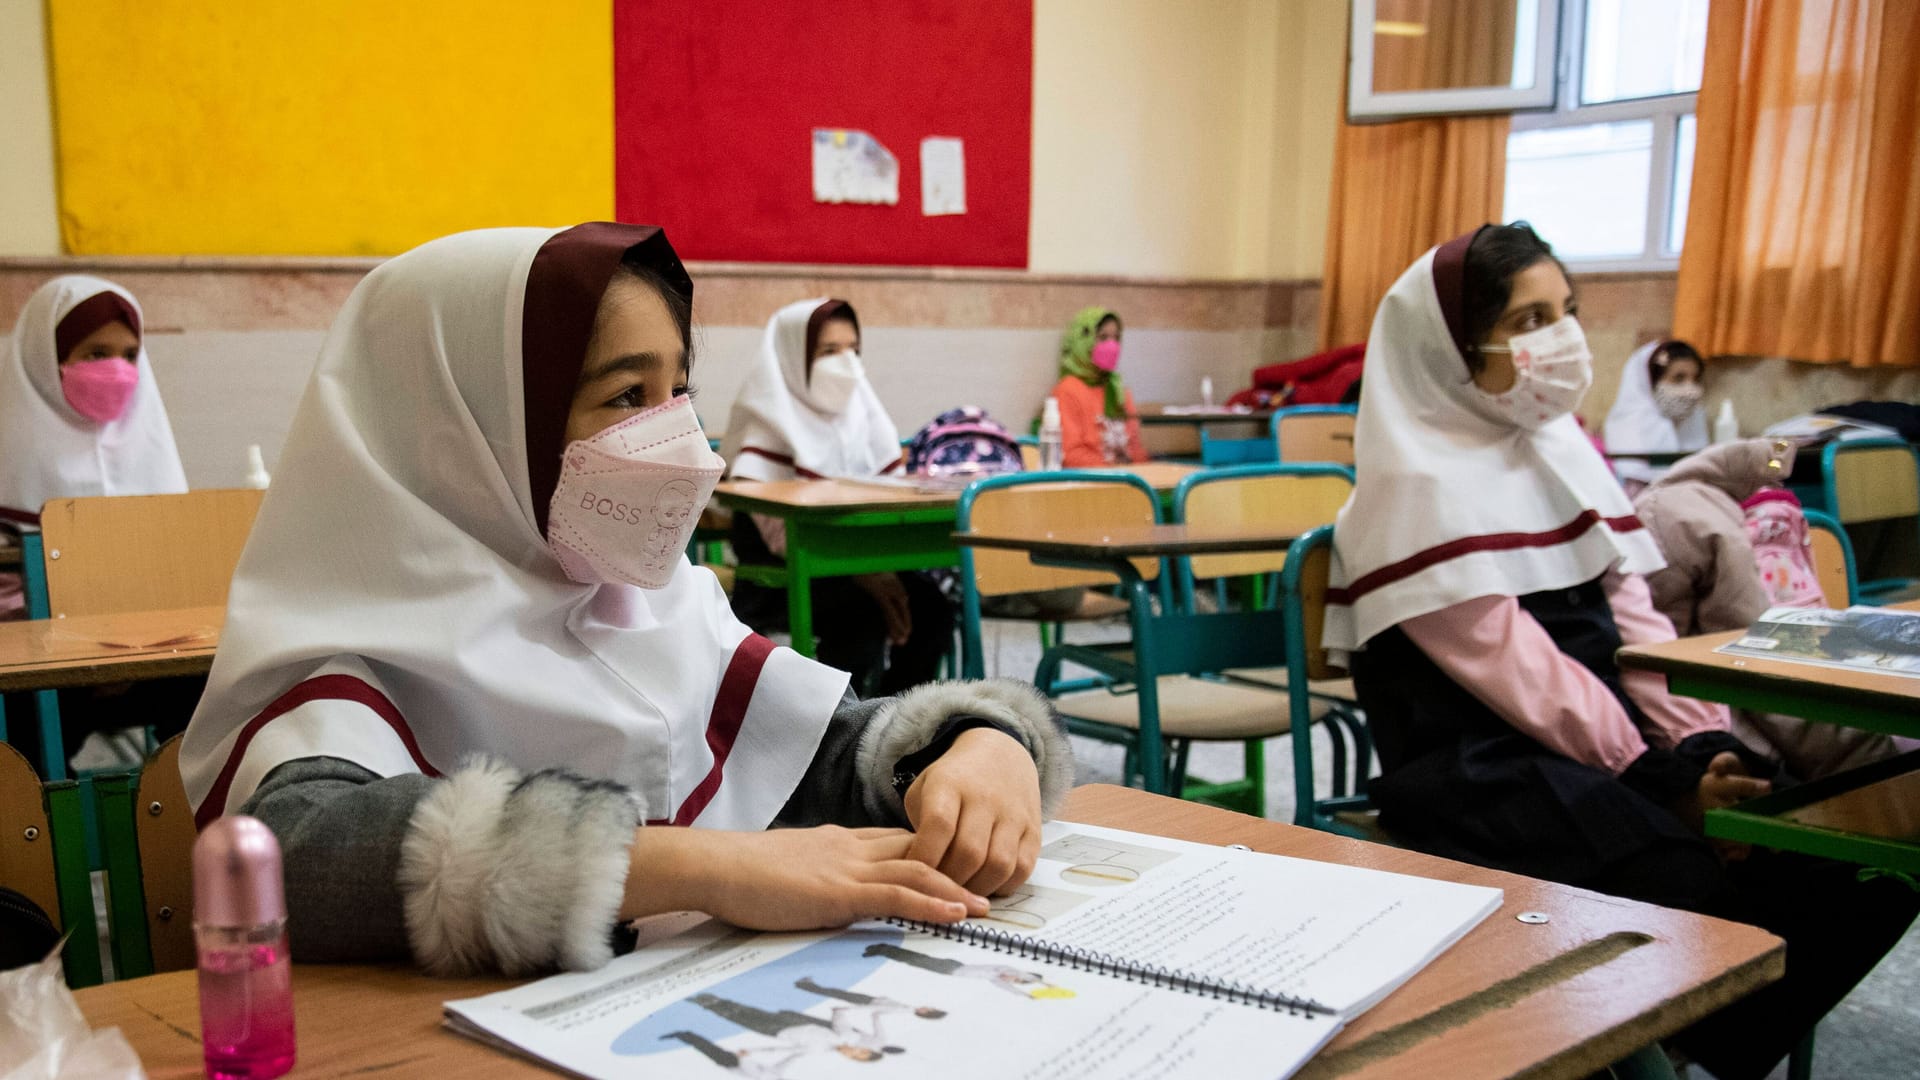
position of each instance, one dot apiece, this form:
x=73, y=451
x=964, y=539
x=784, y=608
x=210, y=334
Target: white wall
x=29, y=214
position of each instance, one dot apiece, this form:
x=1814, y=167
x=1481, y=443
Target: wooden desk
x=837, y=528
x=1601, y=979
x=1158, y=414
x=1856, y=816
x=88, y=650
x=1877, y=702
x=1164, y=643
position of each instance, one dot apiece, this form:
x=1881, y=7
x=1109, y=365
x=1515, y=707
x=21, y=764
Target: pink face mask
x=1106, y=355
x=628, y=498
x=99, y=389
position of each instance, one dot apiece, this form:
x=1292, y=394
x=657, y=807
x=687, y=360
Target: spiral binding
x=1074, y=958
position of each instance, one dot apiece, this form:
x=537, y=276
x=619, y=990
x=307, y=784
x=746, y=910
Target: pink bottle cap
x=236, y=874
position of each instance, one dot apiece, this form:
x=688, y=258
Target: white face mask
x=834, y=378
x=1676, y=403
x=628, y=498
x=1552, y=369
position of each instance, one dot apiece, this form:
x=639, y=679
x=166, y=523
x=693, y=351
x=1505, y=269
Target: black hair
x=679, y=305
x=1110, y=317
x=1496, y=255
x=1666, y=353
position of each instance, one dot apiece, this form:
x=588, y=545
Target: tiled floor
x=1873, y=1034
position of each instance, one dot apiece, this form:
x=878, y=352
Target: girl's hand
x=1726, y=782
x=976, y=812
x=789, y=879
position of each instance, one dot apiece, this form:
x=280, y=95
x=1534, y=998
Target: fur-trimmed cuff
x=516, y=874
x=910, y=721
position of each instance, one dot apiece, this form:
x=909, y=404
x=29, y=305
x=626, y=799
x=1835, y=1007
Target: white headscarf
x=776, y=432
x=397, y=607
x=1636, y=423
x=50, y=451
x=1452, y=502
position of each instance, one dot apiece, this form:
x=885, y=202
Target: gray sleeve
x=340, y=828
x=482, y=870
x=850, y=781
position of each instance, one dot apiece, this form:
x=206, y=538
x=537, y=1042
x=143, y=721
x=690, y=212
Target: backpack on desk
x=963, y=440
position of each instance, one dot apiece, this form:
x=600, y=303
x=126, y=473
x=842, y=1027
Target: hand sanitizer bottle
x=240, y=932
x=1726, y=426
x=257, y=469
x=1052, y=452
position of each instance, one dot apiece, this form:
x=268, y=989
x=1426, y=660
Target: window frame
x=1665, y=111
x=1366, y=106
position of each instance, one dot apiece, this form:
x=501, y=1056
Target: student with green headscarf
x=1098, y=423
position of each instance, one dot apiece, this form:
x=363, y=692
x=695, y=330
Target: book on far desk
x=1875, y=639
x=1124, y=955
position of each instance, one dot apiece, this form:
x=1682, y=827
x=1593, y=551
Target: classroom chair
x=1303, y=591
x=1872, y=488
x=1314, y=433
x=43, y=857
x=1183, y=704
x=1292, y=498
x=149, y=832
x=1832, y=556
x=1221, y=452
x=114, y=553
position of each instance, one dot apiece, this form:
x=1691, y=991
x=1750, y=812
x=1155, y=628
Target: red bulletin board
x=715, y=102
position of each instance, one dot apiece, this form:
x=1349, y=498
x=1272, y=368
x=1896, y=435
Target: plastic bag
x=43, y=1035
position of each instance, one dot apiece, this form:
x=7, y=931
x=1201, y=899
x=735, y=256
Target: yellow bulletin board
x=326, y=127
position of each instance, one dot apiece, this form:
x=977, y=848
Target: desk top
x=1601, y=979
x=1132, y=541
x=845, y=496
x=1158, y=414
x=1695, y=657
x=86, y=650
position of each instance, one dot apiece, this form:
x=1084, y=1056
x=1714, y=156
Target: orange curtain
x=1803, y=234
x=1399, y=189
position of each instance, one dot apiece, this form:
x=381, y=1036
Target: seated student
x=1098, y=423
x=1486, y=568
x=80, y=415
x=1657, y=409
x=469, y=677
x=807, y=411
x=79, y=411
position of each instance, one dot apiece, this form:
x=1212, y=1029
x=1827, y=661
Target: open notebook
x=1124, y=955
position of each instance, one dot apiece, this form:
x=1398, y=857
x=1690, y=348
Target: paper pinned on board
x=943, y=177
x=851, y=166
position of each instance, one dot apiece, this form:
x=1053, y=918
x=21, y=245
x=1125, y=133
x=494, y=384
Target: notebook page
x=1340, y=936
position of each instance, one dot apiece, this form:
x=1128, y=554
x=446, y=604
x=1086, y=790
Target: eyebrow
x=640, y=363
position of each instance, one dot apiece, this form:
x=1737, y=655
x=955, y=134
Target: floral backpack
x=963, y=441
x=1781, y=544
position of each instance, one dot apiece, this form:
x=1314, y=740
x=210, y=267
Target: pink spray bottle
x=240, y=930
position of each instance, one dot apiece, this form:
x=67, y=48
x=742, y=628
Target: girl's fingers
x=933, y=827
x=922, y=878
x=876, y=901
x=972, y=841
x=1003, y=858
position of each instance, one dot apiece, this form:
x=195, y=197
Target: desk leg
x=800, y=588
x=53, y=741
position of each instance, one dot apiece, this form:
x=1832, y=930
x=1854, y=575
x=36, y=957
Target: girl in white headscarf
x=807, y=412
x=1486, y=569
x=79, y=411
x=466, y=660
x=1657, y=410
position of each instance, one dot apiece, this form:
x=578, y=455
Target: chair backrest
x=163, y=824
x=1832, y=555
x=1029, y=455
x=1036, y=503
x=1871, y=480
x=1315, y=433
x=1295, y=498
x=113, y=553
x=1304, y=587
x=26, y=842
